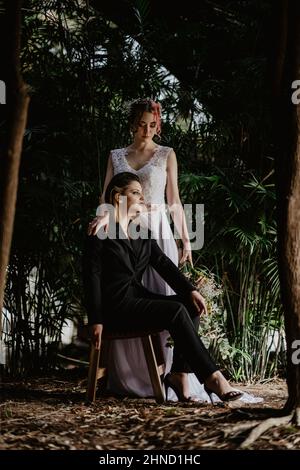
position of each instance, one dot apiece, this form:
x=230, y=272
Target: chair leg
x=153, y=368
x=92, y=376
x=157, y=346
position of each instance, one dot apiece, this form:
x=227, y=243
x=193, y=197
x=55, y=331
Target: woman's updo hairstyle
x=118, y=184
x=136, y=109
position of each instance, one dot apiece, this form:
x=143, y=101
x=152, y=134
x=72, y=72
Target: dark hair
x=118, y=184
x=136, y=109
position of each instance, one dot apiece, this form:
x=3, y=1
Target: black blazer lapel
x=134, y=244
x=122, y=237
x=138, y=241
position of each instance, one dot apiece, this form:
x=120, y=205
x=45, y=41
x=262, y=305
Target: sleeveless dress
x=127, y=355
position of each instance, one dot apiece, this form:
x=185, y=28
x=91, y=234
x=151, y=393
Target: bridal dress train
x=128, y=372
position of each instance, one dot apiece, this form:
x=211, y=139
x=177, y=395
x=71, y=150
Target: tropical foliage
x=240, y=248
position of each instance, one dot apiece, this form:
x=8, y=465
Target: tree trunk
x=16, y=108
x=288, y=184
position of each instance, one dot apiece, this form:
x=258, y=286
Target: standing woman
x=156, y=167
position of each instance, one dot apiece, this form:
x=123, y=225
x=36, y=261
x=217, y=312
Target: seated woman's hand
x=98, y=222
x=95, y=334
x=199, y=302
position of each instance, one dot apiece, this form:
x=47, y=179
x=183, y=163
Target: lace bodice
x=153, y=174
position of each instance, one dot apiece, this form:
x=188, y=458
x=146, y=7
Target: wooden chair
x=153, y=355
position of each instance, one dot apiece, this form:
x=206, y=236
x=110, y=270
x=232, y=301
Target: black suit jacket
x=113, y=270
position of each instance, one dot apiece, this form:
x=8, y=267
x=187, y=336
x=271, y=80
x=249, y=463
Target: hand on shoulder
x=98, y=222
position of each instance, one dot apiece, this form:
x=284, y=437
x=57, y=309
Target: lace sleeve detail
x=117, y=158
x=161, y=157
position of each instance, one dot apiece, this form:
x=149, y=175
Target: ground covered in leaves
x=51, y=413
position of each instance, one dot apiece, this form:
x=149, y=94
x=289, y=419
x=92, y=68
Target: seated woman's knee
x=175, y=309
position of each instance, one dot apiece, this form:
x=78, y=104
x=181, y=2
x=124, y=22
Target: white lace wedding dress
x=128, y=372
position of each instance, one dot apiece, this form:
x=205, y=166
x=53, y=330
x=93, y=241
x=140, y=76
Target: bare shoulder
x=110, y=157
x=171, y=155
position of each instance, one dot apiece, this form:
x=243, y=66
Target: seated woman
x=113, y=266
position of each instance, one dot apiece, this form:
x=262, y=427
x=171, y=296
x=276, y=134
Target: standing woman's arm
x=174, y=203
x=98, y=221
x=91, y=277
x=108, y=177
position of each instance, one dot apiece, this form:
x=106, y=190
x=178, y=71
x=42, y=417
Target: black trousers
x=175, y=314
